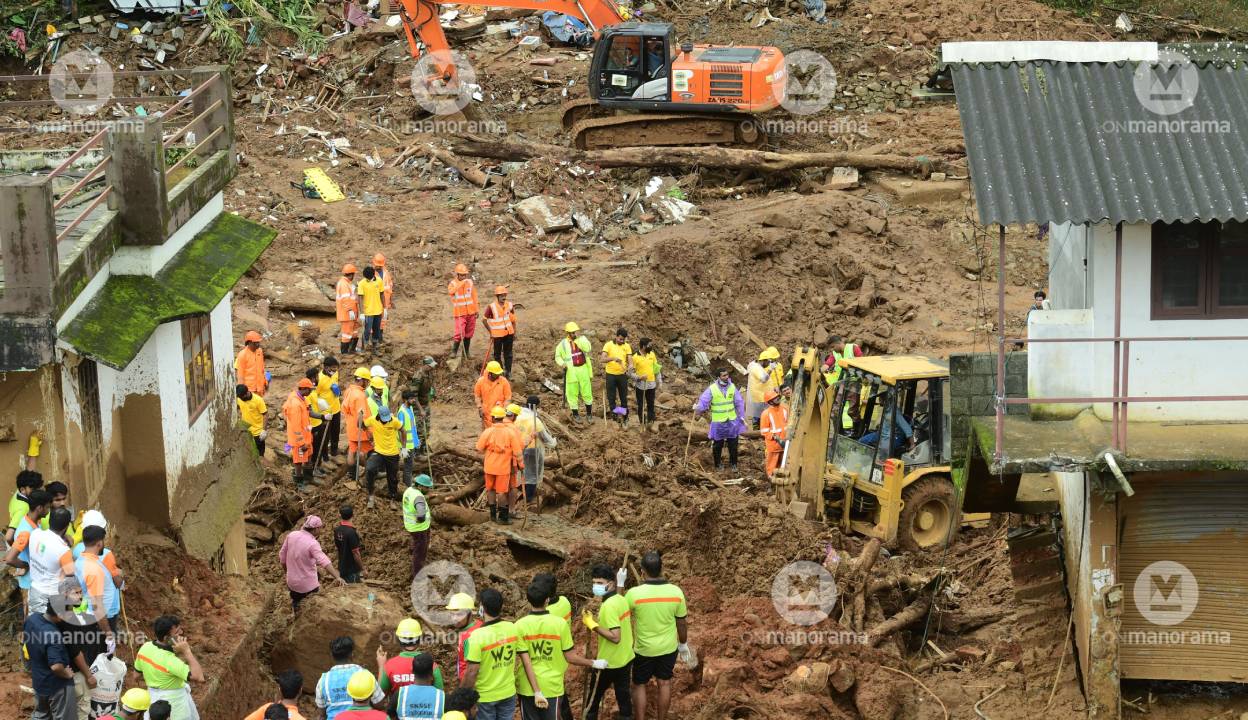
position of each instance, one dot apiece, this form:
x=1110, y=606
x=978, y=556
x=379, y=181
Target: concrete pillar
x=1102, y=677
x=137, y=174
x=28, y=244
x=235, y=550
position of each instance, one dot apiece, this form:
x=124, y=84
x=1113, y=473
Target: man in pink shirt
x=301, y=554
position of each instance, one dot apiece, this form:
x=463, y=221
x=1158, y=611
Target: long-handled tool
x=689, y=438
x=320, y=450
x=124, y=618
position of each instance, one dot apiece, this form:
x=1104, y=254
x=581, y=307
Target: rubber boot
x=504, y=516
x=493, y=513
x=310, y=477
x=355, y=345
x=344, y=347
x=297, y=477
x=467, y=348
x=589, y=414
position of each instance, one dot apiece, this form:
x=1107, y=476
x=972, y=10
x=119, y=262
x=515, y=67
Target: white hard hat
x=94, y=518
x=378, y=371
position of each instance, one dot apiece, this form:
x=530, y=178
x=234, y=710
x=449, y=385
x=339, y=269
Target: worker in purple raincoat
x=723, y=401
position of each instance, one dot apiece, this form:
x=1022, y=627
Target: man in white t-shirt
x=51, y=560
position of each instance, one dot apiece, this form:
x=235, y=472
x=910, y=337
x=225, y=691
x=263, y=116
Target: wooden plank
x=748, y=333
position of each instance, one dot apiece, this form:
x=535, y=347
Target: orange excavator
x=644, y=89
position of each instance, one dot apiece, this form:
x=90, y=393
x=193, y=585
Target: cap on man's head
x=306, y=384
x=383, y=414
x=253, y=336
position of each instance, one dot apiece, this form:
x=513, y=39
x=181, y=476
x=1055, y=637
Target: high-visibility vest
x=834, y=374
x=387, y=284
x=499, y=321
x=345, y=300
x=463, y=297
x=723, y=405
x=410, y=522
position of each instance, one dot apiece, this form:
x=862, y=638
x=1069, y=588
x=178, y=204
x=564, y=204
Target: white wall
x=1156, y=368
x=1068, y=266
x=1059, y=369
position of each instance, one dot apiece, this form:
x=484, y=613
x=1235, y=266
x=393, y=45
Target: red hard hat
x=500, y=289
x=770, y=395
x=348, y=269
x=379, y=260
x=306, y=384
x=252, y=336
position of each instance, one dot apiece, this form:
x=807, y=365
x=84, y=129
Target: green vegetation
x=257, y=17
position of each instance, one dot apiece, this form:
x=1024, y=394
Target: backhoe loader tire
x=929, y=518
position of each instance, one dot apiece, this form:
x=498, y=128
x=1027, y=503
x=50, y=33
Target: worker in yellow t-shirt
x=616, y=356
x=251, y=410
x=389, y=443
x=370, y=290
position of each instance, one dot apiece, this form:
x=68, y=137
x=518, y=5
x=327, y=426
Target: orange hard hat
x=348, y=269
x=379, y=260
x=461, y=269
x=770, y=395
x=500, y=289
x=252, y=336
x=306, y=383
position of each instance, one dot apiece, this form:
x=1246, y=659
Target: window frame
x=197, y=344
x=1209, y=256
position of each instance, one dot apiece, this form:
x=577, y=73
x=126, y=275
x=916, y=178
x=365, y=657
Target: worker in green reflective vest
x=417, y=517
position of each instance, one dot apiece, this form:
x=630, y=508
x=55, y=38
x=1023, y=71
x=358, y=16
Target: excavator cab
x=633, y=62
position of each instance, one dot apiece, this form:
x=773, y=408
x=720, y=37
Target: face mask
x=600, y=590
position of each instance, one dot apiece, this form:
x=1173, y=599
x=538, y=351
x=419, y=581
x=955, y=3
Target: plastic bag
x=110, y=676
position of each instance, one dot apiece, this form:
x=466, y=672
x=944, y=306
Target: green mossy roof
x=113, y=327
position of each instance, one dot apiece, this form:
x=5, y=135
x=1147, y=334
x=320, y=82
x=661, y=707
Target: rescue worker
x=249, y=365
x=338, y=690
x=388, y=450
x=134, y=702
x=536, y=439
x=318, y=418
x=387, y=286
x=464, y=309
x=491, y=390
x=560, y=605
x=396, y=672
x=614, y=628
x=361, y=688
x=349, y=547
x=302, y=557
x=60, y=499
x=18, y=555
x=421, y=383
x=328, y=389
x=762, y=376
x=299, y=433
x=370, y=290
x=379, y=372
x=647, y=375
x=355, y=409
x=774, y=427
x=492, y=662
x=169, y=666
x=723, y=401
x=251, y=410
x=461, y=606
x=548, y=640
x=289, y=686
x=500, y=319
x=842, y=350
x=572, y=356
x=616, y=357
x=28, y=481
x=512, y=411
x=417, y=517
x=461, y=704
x=407, y=418
x=347, y=310
x=660, y=634
x=422, y=698
x=376, y=394
x=100, y=593
x=503, y=454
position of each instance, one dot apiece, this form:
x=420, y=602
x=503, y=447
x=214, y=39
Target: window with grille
x=1200, y=271
x=92, y=425
x=197, y=364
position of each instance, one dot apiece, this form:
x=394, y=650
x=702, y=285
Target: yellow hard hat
x=493, y=367
x=498, y=413
x=377, y=383
x=454, y=715
x=409, y=629
x=461, y=601
x=136, y=700
x=514, y=409
x=361, y=685
x=770, y=353
x=363, y=373
x=571, y=327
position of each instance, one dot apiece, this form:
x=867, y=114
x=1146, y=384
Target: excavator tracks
x=634, y=129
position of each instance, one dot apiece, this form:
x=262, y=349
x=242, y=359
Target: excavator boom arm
x=420, y=18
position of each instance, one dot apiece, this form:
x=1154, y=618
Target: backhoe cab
x=869, y=447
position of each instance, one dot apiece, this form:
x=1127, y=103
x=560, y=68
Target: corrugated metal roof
x=1071, y=142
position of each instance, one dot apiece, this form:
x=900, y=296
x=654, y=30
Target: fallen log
x=965, y=621
x=862, y=571
x=696, y=156
x=468, y=172
x=910, y=614
x=449, y=514
x=467, y=491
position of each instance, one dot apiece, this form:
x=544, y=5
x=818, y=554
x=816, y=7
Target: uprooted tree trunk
x=695, y=156
x=909, y=615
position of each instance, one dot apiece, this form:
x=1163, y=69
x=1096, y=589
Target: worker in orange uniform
x=464, y=309
x=387, y=286
x=504, y=455
x=500, y=319
x=355, y=410
x=249, y=365
x=299, y=432
x=347, y=308
x=492, y=390
x=774, y=427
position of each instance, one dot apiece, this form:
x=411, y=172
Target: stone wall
x=973, y=387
